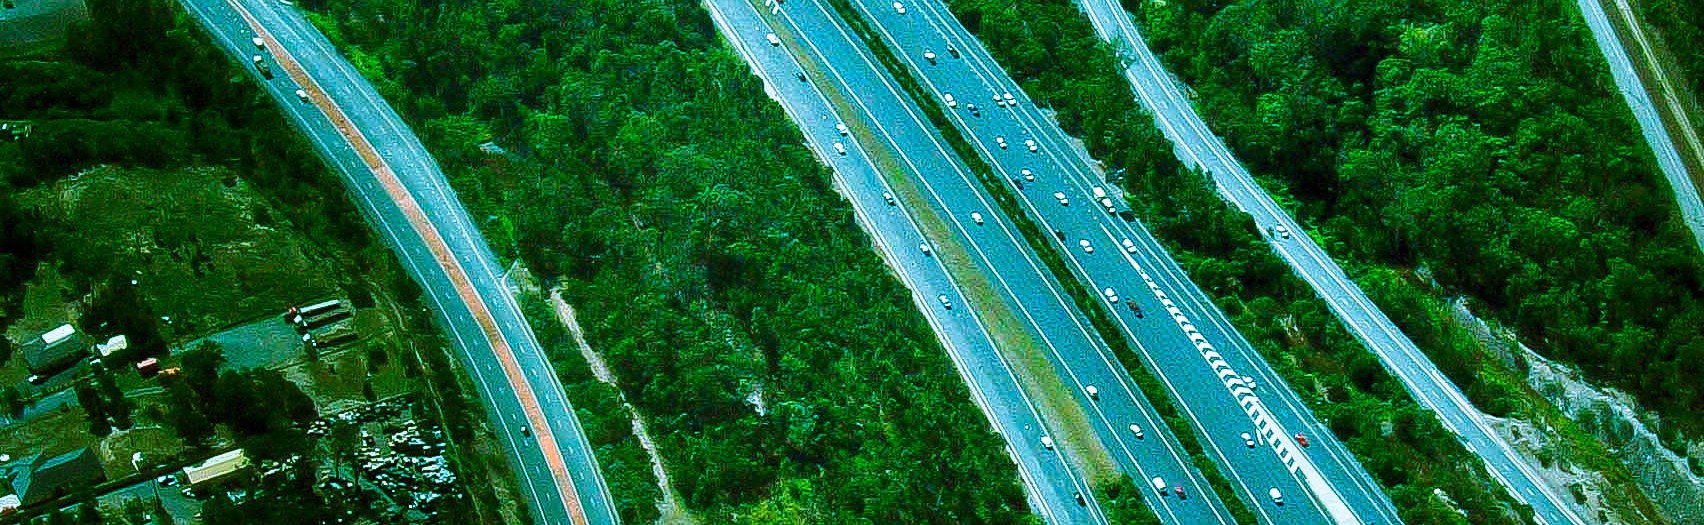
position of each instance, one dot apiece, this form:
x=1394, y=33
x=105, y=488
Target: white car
x=1010, y=100
x=1029, y=176
x=999, y=102
x=1099, y=193
x=1281, y=231
x=1062, y=201
x=1094, y=393
x=258, y=43
x=926, y=252
x=1277, y=497
x=1137, y=431
x=929, y=55
x=842, y=129
x=899, y=8
x=1030, y=143
x=945, y=303
x=1106, y=202
x=302, y=95
x=889, y=198
x=773, y=40
x=1087, y=248
x=1160, y=485
x=975, y=216
x=1248, y=440
x=949, y=98
x=1047, y=442
x=1111, y=296
x=1129, y=247
x=840, y=148
x=1001, y=141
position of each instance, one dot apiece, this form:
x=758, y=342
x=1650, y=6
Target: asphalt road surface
x=402, y=192
x=1184, y=339
x=1199, y=148
x=1050, y=481
x=1645, y=110
x=833, y=57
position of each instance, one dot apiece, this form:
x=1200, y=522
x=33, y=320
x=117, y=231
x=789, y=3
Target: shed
x=215, y=467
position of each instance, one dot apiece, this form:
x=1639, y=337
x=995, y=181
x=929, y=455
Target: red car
x=1179, y=490
x=1302, y=440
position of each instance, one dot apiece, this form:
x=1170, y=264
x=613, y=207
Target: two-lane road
x=1199, y=148
x=402, y=192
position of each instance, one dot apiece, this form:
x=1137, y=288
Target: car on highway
x=929, y=55
x=926, y=251
x=1160, y=485
x=773, y=40
x=1061, y=196
x=1094, y=393
x=1010, y=100
x=1301, y=440
x=948, y=97
x=1137, y=431
x=1248, y=440
x=1030, y=143
x=1277, y=497
x=1087, y=247
x=952, y=51
x=526, y=431
x=1179, y=490
x=1137, y=309
x=1047, y=442
x=889, y=198
x=999, y=102
x=842, y=129
x=973, y=111
x=945, y=302
x=1129, y=247
x=1029, y=176
x=1001, y=141
x=899, y=8
x=258, y=42
x=975, y=216
x=840, y=148
x=1080, y=501
x=261, y=66
x=1281, y=232
x=1098, y=191
x=302, y=95
x=1107, y=203
x=1111, y=296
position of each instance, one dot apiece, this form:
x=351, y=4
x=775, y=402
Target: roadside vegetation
x=149, y=189
x=623, y=151
x=1050, y=49
x=1681, y=25
x=1478, y=142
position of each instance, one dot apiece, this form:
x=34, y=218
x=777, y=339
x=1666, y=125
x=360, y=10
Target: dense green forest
x=1050, y=49
x=786, y=375
x=1478, y=140
x=1681, y=23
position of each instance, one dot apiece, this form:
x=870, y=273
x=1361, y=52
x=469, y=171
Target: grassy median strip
x=1011, y=336
x=1043, y=246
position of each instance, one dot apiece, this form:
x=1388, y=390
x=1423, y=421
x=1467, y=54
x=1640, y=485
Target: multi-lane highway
x=1199, y=148
x=1645, y=110
x=402, y=192
x=1051, y=482
x=883, y=125
x=1205, y=365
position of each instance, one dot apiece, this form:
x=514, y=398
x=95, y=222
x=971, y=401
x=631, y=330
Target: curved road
x=1199, y=148
x=401, y=190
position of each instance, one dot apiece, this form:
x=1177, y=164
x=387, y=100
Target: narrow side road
x=1199, y=148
